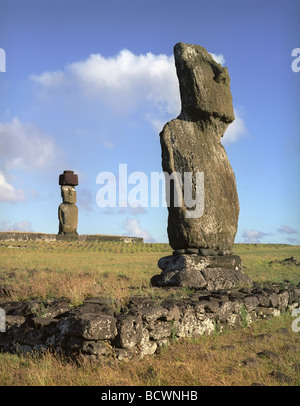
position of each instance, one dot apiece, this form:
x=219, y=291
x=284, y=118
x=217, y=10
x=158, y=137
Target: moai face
x=68, y=194
x=204, y=84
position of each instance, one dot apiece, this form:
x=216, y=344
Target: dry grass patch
x=76, y=271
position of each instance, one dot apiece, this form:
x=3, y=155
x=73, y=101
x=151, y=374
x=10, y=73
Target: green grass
x=256, y=260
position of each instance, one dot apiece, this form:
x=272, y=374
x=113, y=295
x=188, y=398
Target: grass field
x=77, y=270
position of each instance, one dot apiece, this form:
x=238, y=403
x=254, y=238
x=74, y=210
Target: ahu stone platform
x=201, y=272
x=20, y=236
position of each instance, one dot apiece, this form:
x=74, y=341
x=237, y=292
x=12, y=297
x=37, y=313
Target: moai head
x=204, y=84
x=67, y=181
x=68, y=194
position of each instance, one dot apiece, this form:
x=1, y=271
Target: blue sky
x=89, y=84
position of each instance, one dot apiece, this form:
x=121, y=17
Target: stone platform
x=31, y=236
x=201, y=272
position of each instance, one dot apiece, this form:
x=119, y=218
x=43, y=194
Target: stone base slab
x=201, y=272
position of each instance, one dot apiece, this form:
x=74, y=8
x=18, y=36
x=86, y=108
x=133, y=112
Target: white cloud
x=25, y=147
x=253, y=236
x=108, y=144
x=287, y=230
x=8, y=193
x=24, y=226
x=134, y=229
x=235, y=130
x=218, y=58
x=156, y=121
x=121, y=82
x=50, y=79
x=124, y=82
x=293, y=241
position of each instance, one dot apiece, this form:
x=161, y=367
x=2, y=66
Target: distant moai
x=68, y=211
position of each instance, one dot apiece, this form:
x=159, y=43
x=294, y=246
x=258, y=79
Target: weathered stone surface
x=55, y=308
x=161, y=329
x=14, y=320
x=46, y=324
x=147, y=346
x=283, y=300
x=190, y=278
x=153, y=313
x=205, y=306
x=204, y=84
x=267, y=354
x=201, y=272
x=129, y=331
x=89, y=326
x=251, y=361
x=196, y=262
x=251, y=302
x=94, y=331
x=96, y=306
x=68, y=218
x=220, y=278
x=68, y=194
x=97, y=348
x=191, y=143
x=68, y=178
x=281, y=377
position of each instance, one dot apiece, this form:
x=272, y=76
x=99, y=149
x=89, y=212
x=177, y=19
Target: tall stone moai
x=68, y=211
x=203, y=237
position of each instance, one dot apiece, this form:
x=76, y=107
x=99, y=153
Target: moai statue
x=68, y=211
x=190, y=144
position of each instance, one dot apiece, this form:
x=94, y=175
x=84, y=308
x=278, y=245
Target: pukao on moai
x=68, y=211
x=202, y=236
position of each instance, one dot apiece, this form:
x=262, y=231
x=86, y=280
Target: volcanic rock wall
x=99, y=328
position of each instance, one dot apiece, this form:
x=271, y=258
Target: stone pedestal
x=201, y=272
